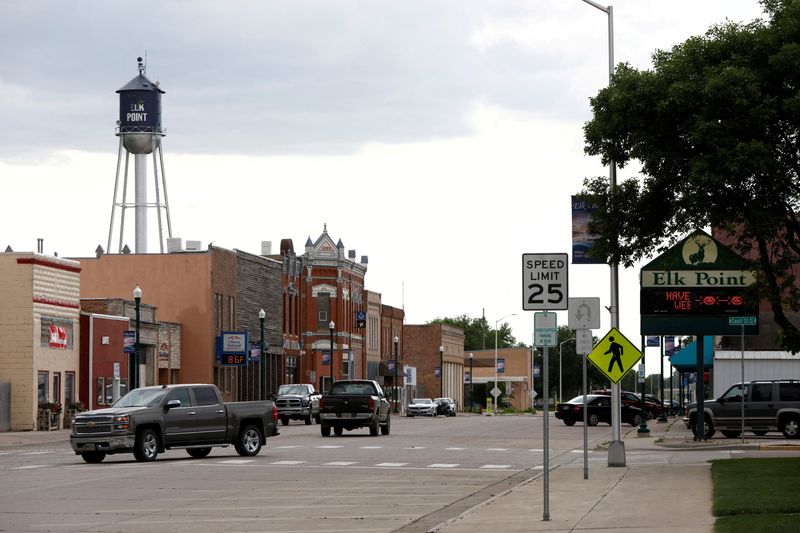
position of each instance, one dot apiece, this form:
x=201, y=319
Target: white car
x=422, y=407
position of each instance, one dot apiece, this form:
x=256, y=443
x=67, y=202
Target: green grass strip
x=757, y=486
x=763, y=523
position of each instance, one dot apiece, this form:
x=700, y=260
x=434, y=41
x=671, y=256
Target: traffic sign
x=742, y=320
x=584, y=313
x=545, y=332
x=544, y=282
x=615, y=355
x=496, y=392
x=583, y=342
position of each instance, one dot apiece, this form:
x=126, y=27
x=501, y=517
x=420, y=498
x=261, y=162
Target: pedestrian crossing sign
x=615, y=355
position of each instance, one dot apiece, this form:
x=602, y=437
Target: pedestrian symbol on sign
x=616, y=350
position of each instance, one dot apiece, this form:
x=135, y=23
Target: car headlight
x=121, y=422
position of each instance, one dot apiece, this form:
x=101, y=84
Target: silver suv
x=768, y=406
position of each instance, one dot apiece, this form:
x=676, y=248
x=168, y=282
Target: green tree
x=715, y=125
x=477, y=332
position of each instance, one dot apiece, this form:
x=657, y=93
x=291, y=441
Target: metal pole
x=643, y=429
x=261, y=316
x=134, y=378
x=441, y=371
x=470, y=381
x=585, y=424
x=742, y=389
x=396, y=399
x=700, y=427
x=546, y=437
x=662, y=417
x=331, y=326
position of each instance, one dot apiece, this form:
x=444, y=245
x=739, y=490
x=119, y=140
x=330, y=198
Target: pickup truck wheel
x=338, y=430
x=387, y=426
x=308, y=420
x=373, y=428
x=146, y=446
x=709, y=426
x=317, y=419
x=198, y=453
x=285, y=420
x=325, y=430
x=93, y=457
x=248, y=443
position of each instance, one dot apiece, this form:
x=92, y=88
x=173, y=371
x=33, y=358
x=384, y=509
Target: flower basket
x=49, y=416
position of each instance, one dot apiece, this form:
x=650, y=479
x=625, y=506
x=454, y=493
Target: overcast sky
x=443, y=139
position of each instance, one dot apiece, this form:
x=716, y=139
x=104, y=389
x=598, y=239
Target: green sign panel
x=742, y=320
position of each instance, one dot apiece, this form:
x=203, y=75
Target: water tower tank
x=140, y=114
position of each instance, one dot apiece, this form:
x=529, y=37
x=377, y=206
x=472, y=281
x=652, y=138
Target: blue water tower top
x=140, y=105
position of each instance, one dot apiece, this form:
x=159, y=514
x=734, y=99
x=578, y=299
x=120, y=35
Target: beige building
x=513, y=376
x=39, y=335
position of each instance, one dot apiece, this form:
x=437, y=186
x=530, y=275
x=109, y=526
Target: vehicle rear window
x=205, y=396
x=790, y=392
x=352, y=388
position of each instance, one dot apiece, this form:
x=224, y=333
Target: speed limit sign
x=544, y=282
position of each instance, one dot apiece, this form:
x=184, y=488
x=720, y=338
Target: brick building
x=39, y=332
x=422, y=351
x=513, y=377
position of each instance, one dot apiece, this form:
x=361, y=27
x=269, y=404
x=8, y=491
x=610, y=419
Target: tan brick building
x=39, y=332
x=513, y=376
x=421, y=350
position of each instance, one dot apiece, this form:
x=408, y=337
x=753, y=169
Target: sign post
x=545, y=288
x=742, y=321
x=584, y=316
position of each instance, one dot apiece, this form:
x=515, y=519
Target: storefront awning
x=686, y=360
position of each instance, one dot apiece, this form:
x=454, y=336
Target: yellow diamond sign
x=615, y=355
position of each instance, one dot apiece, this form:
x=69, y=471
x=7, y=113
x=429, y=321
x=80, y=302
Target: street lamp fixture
x=261, y=316
x=441, y=371
x=396, y=395
x=133, y=371
x=560, y=344
x=495, y=354
x=331, y=327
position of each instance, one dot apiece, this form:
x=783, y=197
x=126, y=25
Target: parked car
x=672, y=407
x=353, y=404
x=421, y=407
x=634, y=400
x=445, y=406
x=768, y=406
x=598, y=410
x=149, y=420
x=298, y=401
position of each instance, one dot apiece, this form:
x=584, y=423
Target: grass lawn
x=756, y=494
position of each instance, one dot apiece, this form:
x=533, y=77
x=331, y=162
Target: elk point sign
x=694, y=287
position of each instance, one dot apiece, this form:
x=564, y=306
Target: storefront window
x=57, y=387
x=69, y=387
x=43, y=379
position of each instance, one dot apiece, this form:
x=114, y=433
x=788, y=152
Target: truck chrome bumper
x=108, y=443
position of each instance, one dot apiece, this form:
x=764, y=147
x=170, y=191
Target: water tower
x=140, y=132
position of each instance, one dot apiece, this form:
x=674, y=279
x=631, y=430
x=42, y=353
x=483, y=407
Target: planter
x=68, y=415
x=48, y=420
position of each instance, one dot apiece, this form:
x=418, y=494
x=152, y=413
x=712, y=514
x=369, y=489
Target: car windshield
x=421, y=400
x=292, y=389
x=141, y=398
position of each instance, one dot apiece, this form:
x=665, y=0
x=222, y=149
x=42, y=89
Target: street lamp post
x=560, y=344
x=261, y=316
x=441, y=371
x=471, y=355
x=134, y=370
x=331, y=327
x=495, y=355
x=396, y=395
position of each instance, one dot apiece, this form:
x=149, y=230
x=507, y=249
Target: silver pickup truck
x=150, y=420
x=298, y=401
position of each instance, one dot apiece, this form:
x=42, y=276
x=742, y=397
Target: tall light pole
x=396, y=396
x=471, y=355
x=261, y=316
x=560, y=344
x=616, y=448
x=495, y=354
x=331, y=327
x=134, y=370
x=441, y=371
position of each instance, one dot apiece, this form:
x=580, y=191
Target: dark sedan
x=598, y=410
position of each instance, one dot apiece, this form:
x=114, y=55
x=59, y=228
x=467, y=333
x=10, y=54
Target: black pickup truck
x=150, y=420
x=354, y=404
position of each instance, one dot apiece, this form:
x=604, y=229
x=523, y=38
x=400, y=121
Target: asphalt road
x=425, y=472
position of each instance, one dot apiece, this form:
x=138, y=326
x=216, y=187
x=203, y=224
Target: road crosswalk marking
x=235, y=461
x=443, y=465
x=340, y=463
x=391, y=464
x=496, y=466
x=287, y=462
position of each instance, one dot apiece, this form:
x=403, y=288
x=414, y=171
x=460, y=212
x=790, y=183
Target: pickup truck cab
x=150, y=420
x=353, y=404
x=298, y=401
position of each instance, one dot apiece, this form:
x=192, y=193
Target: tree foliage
x=715, y=125
x=478, y=334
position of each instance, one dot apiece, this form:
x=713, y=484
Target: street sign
x=583, y=341
x=533, y=394
x=544, y=282
x=545, y=332
x=615, y=355
x=496, y=392
x=584, y=313
x=742, y=320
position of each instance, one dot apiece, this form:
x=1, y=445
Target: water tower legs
x=140, y=199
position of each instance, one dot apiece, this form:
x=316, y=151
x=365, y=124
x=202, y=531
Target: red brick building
x=422, y=351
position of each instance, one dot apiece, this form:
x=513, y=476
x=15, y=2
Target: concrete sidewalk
x=612, y=499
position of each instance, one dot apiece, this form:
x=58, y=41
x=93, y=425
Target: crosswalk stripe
x=340, y=463
x=391, y=464
x=496, y=466
x=443, y=465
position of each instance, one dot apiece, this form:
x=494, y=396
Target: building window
x=42, y=387
x=323, y=310
x=69, y=388
x=101, y=391
x=231, y=313
x=218, y=312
